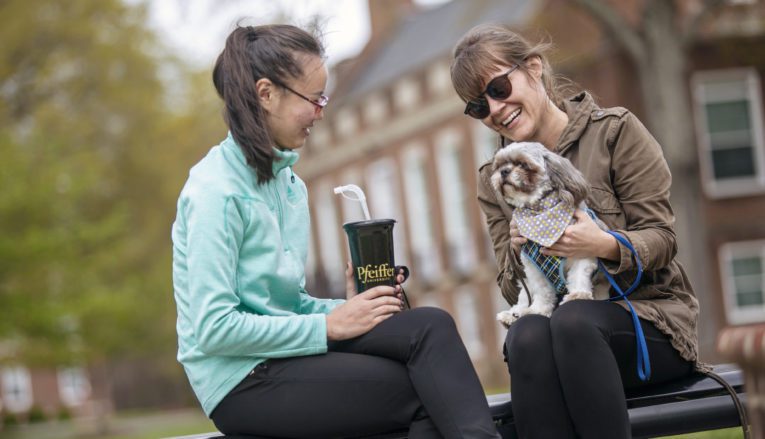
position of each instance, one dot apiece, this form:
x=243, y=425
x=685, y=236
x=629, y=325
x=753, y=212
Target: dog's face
x=520, y=173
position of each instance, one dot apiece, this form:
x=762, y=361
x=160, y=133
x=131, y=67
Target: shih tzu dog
x=544, y=190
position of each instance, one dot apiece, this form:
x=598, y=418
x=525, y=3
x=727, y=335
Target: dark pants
x=568, y=372
x=410, y=371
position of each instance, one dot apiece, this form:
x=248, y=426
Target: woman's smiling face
x=290, y=117
x=520, y=115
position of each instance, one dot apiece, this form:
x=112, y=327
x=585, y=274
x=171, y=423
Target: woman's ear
x=534, y=66
x=265, y=91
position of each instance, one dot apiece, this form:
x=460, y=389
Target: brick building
x=396, y=129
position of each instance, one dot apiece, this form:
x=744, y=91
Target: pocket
x=607, y=207
x=604, y=201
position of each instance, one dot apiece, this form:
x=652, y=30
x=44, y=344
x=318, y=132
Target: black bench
x=693, y=404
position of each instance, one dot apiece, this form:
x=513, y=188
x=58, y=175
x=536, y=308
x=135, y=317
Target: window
x=439, y=79
x=375, y=109
x=330, y=246
x=383, y=190
x=406, y=94
x=454, y=202
x=729, y=127
x=743, y=278
x=346, y=122
x=484, y=143
x=426, y=258
x=73, y=386
x=467, y=310
x=16, y=389
x=484, y=146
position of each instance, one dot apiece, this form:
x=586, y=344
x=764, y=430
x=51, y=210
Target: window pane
x=728, y=116
x=749, y=298
x=745, y=266
x=733, y=162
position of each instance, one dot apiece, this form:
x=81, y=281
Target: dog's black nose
x=504, y=173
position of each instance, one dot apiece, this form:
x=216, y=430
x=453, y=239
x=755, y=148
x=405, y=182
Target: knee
x=526, y=336
x=432, y=317
x=573, y=322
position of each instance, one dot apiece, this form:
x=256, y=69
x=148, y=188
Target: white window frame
x=439, y=78
x=422, y=231
x=736, y=315
x=484, y=142
x=346, y=122
x=382, y=195
x=330, y=239
x=484, y=146
x=73, y=386
x=17, y=393
x=457, y=223
x=702, y=84
x=406, y=94
x=375, y=109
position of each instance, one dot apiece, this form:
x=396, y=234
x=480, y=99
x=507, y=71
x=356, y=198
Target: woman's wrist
x=609, y=248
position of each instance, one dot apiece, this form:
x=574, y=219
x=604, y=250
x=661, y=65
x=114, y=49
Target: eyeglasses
x=320, y=103
x=499, y=88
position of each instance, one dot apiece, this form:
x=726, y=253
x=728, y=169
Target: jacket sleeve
x=313, y=305
x=641, y=181
x=215, y=228
x=499, y=231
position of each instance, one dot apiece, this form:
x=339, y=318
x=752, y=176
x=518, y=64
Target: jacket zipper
x=279, y=208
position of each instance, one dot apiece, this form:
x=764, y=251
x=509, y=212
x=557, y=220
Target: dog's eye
x=523, y=166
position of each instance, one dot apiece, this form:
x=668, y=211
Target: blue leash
x=643, y=362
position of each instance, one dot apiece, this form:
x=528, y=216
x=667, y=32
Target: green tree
x=94, y=151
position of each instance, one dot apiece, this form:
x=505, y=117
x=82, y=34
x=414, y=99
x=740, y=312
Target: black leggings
x=568, y=372
x=410, y=371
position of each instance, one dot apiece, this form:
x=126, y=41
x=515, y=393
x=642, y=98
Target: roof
x=431, y=34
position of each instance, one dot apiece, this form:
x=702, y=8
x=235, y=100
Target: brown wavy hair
x=485, y=46
x=252, y=53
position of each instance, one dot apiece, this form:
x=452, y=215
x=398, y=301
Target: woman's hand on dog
x=584, y=239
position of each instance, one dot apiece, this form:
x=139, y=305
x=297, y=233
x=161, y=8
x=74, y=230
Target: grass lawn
x=187, y=422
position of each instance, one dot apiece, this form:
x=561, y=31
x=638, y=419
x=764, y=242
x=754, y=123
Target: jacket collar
x=578, y=108
x=282, y=158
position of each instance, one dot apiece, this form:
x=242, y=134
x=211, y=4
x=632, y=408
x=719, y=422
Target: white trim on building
x=742, y=272
x=728, y=114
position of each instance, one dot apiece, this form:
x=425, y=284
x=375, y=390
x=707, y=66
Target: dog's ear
x=566, y=179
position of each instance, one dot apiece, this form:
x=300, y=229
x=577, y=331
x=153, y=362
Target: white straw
x=360, y=197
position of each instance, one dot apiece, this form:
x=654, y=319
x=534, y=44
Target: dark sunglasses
x=499, y=88
x=319, y=104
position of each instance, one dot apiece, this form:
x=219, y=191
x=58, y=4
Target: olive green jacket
x=630, y=183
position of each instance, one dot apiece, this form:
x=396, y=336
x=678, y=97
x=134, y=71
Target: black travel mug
x=371, y=245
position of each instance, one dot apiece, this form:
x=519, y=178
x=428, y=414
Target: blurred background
x=106, y=104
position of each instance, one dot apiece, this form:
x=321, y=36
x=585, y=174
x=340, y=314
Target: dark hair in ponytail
x=252, y=53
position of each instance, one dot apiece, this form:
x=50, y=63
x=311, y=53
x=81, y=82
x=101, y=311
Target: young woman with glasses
x=263, y=356
x=569, y=372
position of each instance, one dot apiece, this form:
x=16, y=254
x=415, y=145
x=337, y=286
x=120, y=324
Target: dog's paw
x=580, y=295
x=511, y=315
x=506, y=318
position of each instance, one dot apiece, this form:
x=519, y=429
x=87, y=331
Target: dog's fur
x=523, y=173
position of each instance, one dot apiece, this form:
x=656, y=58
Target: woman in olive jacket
x=569, y=371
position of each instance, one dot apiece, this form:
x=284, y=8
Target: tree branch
x=616, y=25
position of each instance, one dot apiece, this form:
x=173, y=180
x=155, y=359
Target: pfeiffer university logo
x=374, y=273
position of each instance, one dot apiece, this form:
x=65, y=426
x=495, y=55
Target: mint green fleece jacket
x=239, y=252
